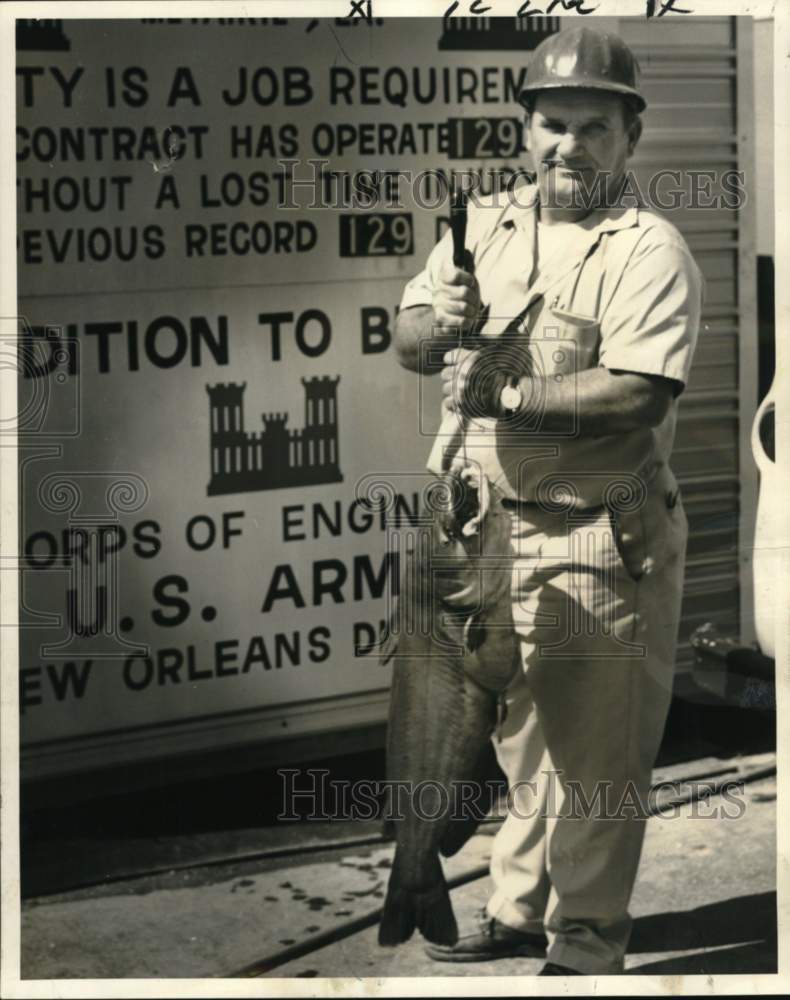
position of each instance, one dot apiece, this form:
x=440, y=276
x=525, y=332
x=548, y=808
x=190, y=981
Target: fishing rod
x=458, y=208
x=458, y=203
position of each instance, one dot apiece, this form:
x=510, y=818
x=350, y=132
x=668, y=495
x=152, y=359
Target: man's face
x=574, y=136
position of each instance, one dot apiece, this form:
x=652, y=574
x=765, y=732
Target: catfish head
x=469, y=525
x=464, y=502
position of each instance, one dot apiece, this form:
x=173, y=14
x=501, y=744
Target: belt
x=671, y=498
x=509, y=504
x=529, y=506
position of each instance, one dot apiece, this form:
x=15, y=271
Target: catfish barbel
x=454, y=651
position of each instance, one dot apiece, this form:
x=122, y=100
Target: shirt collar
x=520, y=212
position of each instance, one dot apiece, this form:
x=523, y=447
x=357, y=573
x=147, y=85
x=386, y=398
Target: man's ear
x=634, y=132
x=527, y=119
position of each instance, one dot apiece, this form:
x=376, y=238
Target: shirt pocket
x=570, y=342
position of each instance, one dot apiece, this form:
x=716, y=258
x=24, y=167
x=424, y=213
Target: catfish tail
x=427, y=909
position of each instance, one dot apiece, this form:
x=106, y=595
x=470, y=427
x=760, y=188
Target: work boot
x=492, y=940
x=552, y=969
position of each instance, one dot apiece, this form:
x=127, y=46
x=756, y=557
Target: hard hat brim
x=614, y=88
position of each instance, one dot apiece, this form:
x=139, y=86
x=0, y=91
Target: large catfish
x=454, y=651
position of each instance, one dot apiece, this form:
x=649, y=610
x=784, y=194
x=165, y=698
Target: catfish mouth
x=467, y=503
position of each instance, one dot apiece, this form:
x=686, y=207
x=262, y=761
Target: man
x=585, y=313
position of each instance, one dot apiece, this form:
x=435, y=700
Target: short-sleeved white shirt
x=627, y=295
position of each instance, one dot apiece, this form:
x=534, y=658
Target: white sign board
x=208, y=368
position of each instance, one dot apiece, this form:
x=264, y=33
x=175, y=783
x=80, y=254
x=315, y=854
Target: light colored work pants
x=598, y=622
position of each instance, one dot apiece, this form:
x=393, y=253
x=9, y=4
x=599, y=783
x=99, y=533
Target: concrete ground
x=704, y=902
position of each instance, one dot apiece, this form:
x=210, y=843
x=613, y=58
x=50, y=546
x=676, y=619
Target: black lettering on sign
x=266, y=86
x=233, y=190
x=105, y=143
x=201, y=532
x=43, y=549
x=329, y=518
x=283, y=586
x=146, y=535
x=240, y=238
x=293, y=523
x=368, y=581
x=313, y=347
x=168, y=192
x=318, y=638
x=376, y=235
x=484, y=138
x=180, y=607
x=69, y=194
x=183, y=87
x=263, y=140
x=376, y=335
x=98, y=244
x=316, y=316
x=67, y=680
x=133, y=90
x=330, y=579
x=366, y=638
x=329, y=576
x=29, y=687
x=231, y=657
x=225, y=654
x=28, y=73
x=166, y=342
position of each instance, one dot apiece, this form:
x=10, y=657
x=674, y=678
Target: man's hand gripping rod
x=461, y=258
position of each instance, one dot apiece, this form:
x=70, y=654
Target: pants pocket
x=646, y=538
x=629, y=542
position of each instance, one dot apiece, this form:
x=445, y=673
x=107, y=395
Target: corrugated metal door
x=697, y=81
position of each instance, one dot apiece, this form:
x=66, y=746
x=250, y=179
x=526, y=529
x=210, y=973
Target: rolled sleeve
x=653, y=319
x=419, y=291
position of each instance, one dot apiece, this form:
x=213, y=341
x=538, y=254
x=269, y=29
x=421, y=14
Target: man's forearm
x=414, y=328
x=596, y=402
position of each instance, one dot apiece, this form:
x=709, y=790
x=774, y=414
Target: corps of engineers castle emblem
x=278, y=456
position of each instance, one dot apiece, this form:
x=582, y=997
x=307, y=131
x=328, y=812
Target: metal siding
x=692, y=123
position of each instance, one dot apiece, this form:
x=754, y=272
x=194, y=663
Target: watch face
x=510, y=398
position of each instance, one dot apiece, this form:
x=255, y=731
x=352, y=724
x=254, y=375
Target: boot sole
x=517, y=951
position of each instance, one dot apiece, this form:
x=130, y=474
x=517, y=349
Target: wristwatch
x=511, y=397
